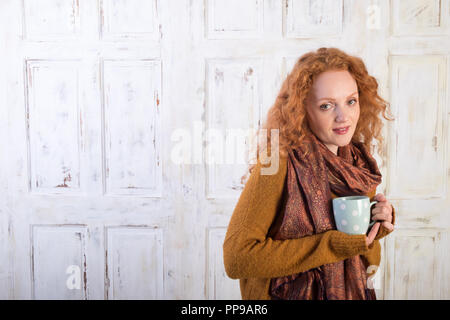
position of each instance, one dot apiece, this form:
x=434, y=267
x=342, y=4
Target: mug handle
x=370, y=210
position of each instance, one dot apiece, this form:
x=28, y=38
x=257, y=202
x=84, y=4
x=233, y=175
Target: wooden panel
x=419, y=17
x=53, y=119
x=137, y=19
x=134, y=263
x=233, y=111
x=105, y=134
x=4, y=246
x=234, y=19
x=132, y=91
x=51, y=19
x=444, y=262
x=304, y=19
x=413, y=264
x=58, y=261
x=220, y=287
x=288, y=65
x=418, y=165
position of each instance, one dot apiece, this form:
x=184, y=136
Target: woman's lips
x=341, y=131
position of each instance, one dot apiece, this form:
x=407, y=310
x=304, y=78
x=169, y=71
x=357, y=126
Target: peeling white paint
x=94, y=89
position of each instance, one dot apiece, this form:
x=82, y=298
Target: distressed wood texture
x=306, y=19
x=420, y=17
x=127, y=248
x=101, y=98
x=57, y=251
x=219, y=285
x=242, y=77
x=131, y=91
x=419, y=131
x=53, y=125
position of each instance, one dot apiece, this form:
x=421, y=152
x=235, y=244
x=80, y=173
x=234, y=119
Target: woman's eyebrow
x=334, y=99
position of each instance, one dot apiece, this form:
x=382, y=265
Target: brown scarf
x=311, y=180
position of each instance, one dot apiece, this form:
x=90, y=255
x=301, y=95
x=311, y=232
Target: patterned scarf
x=311, y=180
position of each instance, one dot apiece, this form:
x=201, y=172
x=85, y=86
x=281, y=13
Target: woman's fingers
x=380, y=197
x=382, y=217
x=382, y=212
x=388, y=225
x=374, y=229
x=372, y=233
x=382, y=208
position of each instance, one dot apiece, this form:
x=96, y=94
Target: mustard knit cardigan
x=253, y=258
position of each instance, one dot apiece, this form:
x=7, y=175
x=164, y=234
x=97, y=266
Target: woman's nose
x=341, y=114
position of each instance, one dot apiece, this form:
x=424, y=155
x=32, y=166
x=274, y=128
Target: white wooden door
x=100, y=99
x=94, y=208
x=417, y=170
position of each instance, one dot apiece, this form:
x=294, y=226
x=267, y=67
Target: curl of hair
x=288, y=113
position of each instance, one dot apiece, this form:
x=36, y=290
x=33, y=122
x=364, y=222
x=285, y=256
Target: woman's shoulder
x=275, y=165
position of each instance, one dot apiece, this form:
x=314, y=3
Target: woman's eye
x=325, y=105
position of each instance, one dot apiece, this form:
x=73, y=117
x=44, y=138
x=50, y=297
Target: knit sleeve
x=249, y=253
x=372, y=257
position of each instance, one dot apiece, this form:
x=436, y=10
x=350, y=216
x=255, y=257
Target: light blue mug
x=352, y=214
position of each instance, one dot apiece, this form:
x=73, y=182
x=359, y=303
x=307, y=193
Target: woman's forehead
x=334, y=85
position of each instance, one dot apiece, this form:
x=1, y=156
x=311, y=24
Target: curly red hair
x=288, y=113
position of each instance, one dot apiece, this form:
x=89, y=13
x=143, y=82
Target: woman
x=282, y=241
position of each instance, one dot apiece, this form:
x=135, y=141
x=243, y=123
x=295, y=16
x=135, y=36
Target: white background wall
x=92, y=93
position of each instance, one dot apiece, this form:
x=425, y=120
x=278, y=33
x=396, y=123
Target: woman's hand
x=382, y=212
x=372, y=233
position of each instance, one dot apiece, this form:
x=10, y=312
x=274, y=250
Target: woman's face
x=333, y=102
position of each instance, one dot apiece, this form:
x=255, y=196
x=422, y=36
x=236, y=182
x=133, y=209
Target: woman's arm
x=249, y=253
x=372, y=257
